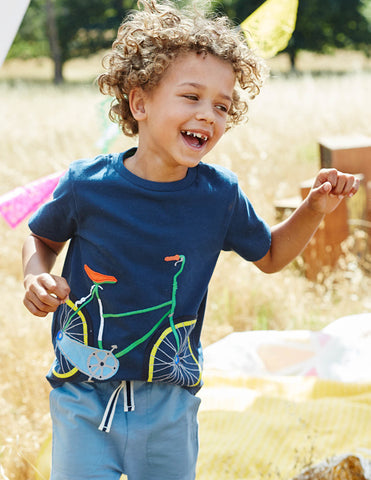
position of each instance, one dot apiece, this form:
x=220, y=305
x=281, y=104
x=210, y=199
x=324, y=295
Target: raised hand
x=329, y=188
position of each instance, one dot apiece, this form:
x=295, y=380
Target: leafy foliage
x=83, y=27
x=326, y=24
x=86, y=26
x=321, y=25
x=31, y=39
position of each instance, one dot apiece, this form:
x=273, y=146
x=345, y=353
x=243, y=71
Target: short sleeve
x=247, y=233
x=57, y=219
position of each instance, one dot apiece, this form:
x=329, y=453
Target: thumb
x=326, y=188
x=323, y=189
x=59, y=287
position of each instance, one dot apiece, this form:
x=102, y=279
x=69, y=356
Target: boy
x=146, y=227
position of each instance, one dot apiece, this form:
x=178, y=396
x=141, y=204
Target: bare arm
x=44, y=292
x=291, y=236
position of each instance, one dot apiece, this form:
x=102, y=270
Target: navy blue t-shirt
x=139, y=261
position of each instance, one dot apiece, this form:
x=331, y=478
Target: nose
x=205, y=113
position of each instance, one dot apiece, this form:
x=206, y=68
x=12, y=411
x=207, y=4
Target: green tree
x=321, y=24
x=236, y=10
x=65, y=29
x=31, y=39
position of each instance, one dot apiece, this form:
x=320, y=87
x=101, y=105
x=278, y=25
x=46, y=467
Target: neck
x=154, y=170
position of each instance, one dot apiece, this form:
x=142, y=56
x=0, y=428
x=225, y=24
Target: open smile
x=194, y=139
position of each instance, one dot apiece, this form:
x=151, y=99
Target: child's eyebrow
x=202, y=87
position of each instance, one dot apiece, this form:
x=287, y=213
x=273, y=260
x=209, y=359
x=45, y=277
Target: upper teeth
x=197, y=135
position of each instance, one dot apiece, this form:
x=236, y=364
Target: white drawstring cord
x=129, y=406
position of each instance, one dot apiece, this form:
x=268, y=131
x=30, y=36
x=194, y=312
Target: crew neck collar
x=148, y=184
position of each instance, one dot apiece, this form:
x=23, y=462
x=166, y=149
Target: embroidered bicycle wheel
x=172, y=364
x=73, y=324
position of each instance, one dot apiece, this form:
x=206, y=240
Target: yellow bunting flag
x=269, y=28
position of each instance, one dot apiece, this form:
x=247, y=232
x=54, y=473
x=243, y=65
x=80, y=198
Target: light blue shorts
x=158, y=440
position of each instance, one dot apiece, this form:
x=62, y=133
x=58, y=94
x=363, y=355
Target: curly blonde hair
x=148, y=41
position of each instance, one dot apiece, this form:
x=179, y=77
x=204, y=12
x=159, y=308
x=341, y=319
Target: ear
x=137, y=103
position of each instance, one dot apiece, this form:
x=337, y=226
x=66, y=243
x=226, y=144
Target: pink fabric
x=17, y=204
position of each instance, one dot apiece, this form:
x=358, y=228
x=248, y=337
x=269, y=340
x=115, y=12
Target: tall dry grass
x=43, y=128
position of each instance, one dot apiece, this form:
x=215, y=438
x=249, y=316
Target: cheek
x=221, y=127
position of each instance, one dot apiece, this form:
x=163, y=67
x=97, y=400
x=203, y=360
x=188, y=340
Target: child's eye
x=191, y=97
x=222, y=108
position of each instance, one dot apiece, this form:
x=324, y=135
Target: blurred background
x=316, y=102
x=64, y=29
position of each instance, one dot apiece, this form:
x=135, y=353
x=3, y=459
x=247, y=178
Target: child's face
x=185, y=115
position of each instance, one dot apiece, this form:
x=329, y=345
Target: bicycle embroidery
x=170, y=359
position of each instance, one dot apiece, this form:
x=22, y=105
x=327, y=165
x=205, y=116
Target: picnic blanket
x=275, y=402
x=341, y=351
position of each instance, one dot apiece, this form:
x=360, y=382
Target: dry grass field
x=43, y=128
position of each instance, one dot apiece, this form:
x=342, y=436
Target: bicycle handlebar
x=173, y=258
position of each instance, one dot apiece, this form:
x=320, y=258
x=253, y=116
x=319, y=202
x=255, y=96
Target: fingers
x=37, y=306
x=44, y=293
x=330, y=187
x=337, y=184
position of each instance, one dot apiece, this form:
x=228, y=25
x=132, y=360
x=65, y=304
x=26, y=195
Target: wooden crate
x=324, y=249
x=351, y=154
